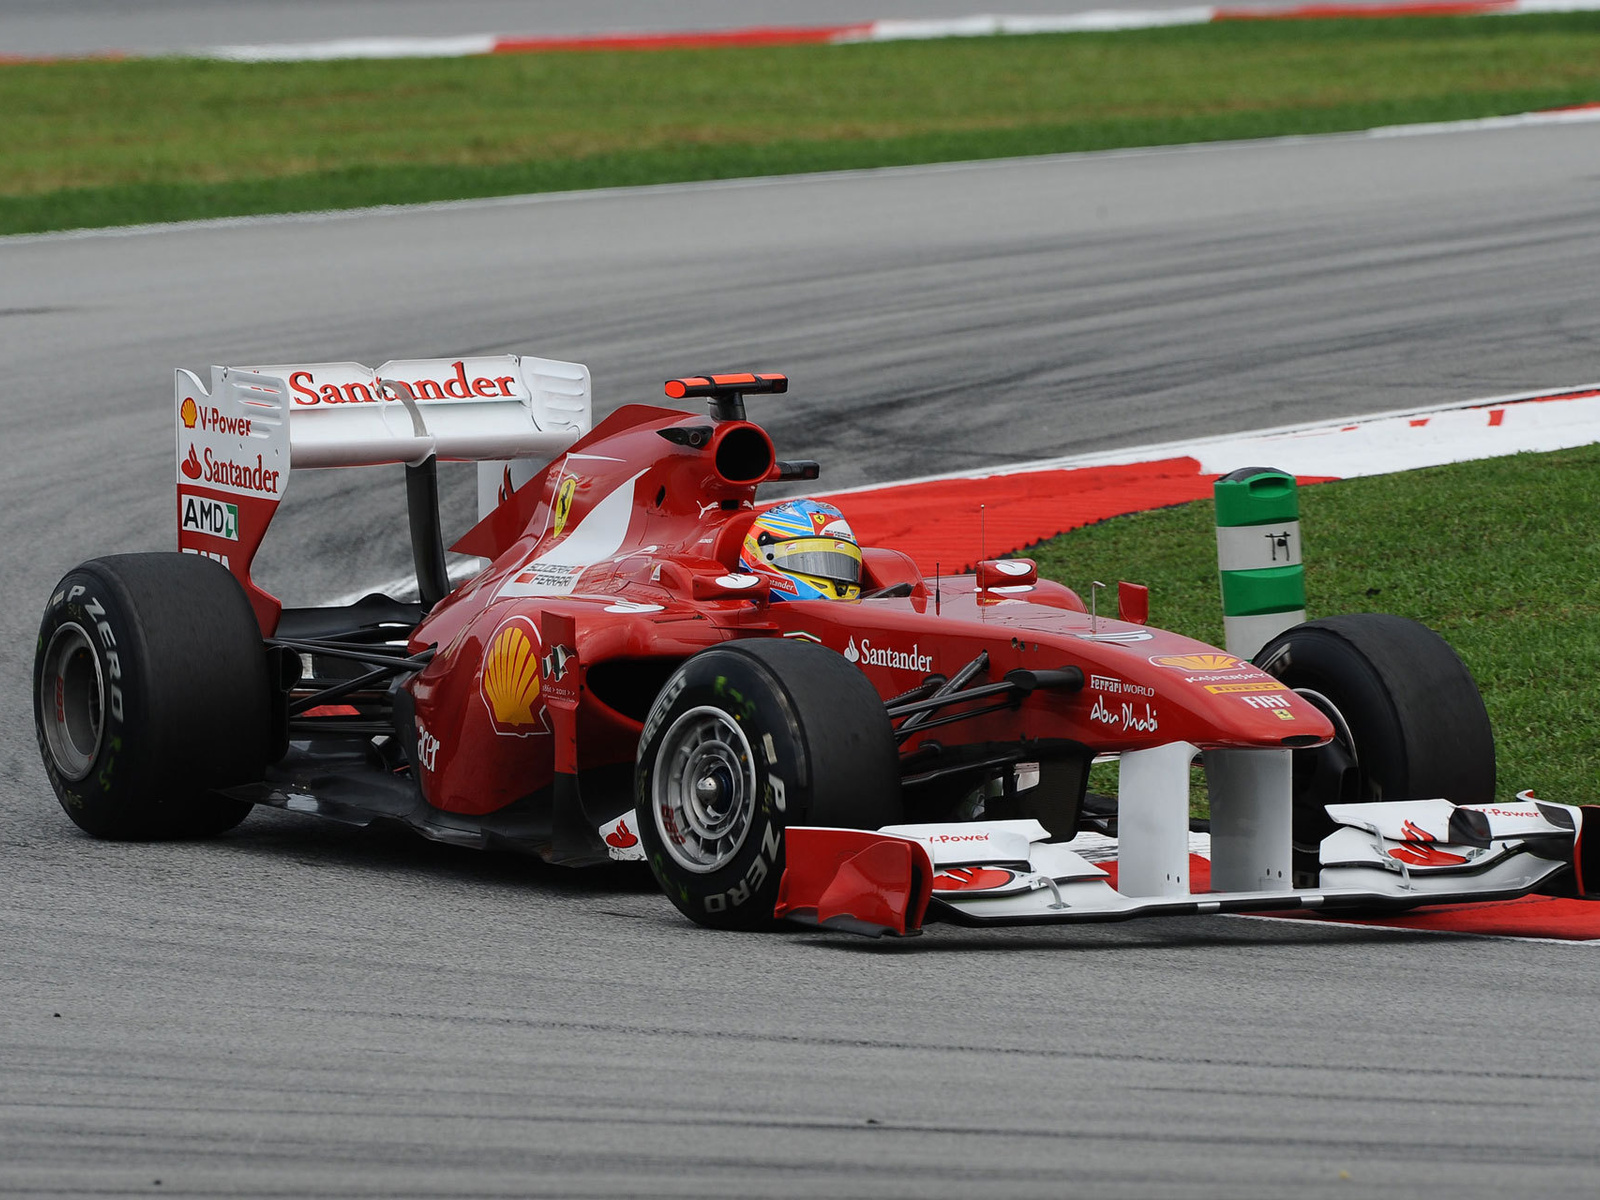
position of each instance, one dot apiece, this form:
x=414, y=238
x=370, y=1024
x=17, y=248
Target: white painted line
x=889, y=30
x=1094, y=21
x=1348, y=447
x=464, y=46
x=1580, y=115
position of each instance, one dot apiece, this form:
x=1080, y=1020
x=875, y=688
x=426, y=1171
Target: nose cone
x=1281, y=716
x=1232, y=702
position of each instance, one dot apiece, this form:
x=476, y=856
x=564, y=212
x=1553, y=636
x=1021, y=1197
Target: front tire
x=742, y=742
x=151, y=691
x=1408, y=718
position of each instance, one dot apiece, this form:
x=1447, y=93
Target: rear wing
x=238, y=440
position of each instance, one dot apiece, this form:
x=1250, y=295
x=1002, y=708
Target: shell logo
x=188, y=413
x=511, y=679
x=1197, y=662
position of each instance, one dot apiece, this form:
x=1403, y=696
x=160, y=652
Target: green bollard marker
x=1258, y=557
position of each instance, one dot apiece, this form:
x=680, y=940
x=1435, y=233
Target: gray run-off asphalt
x=155, y=26
x=302, y=1009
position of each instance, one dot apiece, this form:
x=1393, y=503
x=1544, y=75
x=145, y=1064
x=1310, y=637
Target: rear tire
x=743, y=741
x=1409, y=720
x=151, y=691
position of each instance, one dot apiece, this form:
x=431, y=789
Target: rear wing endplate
x=238, y=440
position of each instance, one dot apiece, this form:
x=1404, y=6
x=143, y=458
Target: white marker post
x=1258, y=557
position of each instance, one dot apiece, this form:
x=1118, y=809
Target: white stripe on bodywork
x=595, y=538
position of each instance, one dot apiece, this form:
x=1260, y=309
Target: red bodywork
x=619, y=561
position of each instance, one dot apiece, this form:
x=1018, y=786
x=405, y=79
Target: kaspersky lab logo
x=215, y=518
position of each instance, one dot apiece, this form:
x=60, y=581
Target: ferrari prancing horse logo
x=563, y=508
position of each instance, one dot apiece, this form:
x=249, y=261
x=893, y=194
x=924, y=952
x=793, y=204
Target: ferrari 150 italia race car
x=780, y=721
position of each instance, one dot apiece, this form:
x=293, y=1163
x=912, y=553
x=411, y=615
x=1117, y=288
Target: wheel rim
x=704, y=788
x=1328, y=774
x=1341, y=727
x=72, y=701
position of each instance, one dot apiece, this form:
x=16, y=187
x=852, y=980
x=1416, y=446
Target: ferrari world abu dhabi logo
x=510, y=683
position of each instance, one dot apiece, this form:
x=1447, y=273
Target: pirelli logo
x=1263, y=685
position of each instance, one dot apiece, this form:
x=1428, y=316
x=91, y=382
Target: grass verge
x=102, y=143
x=1499, y=556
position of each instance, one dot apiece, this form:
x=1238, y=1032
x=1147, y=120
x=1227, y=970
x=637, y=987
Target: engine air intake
x=742, y=454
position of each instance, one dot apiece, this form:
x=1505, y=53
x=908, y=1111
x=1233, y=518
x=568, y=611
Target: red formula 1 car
x=781, y=722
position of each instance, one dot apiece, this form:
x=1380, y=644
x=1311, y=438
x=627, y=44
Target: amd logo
x=214, y=518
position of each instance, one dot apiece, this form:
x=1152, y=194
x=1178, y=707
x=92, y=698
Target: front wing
x=1382, y=856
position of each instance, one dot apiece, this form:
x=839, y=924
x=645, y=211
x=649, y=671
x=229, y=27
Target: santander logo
x=621, y=837
x=308, y=392
x=972, y=879
x=1418, y=854
x=884, y=656
x=226, y=473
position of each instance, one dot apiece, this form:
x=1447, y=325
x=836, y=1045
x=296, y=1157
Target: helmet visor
x=826, y=558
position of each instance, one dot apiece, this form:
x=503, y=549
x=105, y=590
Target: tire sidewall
x=742, y=892
x=102, y=802
x=186, y=695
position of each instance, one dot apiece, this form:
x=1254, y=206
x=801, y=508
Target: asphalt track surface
x=298, y=1008
x=152, y=26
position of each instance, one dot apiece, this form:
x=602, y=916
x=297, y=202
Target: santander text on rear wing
x=238, y=440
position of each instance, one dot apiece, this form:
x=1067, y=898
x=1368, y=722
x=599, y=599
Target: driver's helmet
x=806, y=550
